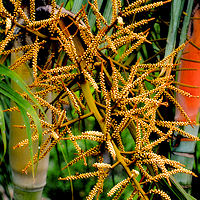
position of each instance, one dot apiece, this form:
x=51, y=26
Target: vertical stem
x=92, y=106
x=184, y=153
x=128, y=171
x=25, y=186
x=21, y=194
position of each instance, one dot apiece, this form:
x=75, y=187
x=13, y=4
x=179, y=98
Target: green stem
x=26, y=187
x=77, y=119
x=20, y=194
x=92, y=106
x=128, y=171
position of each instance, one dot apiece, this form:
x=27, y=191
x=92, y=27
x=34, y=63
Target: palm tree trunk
x=25, y=186
x=184, y=153
x=183, y=150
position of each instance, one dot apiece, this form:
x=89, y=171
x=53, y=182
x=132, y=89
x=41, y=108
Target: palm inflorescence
x=86, y=70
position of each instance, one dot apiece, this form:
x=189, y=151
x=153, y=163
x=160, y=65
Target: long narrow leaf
x=3, y=133
x=77, y=5
x=59, y=2
x=18, y=80
x=107, y=11
x=178, y=188
x=15, y=77
x=175, y=190
x=176, y=11
x=29, y=133
x=6, y=90
x=91, y=17
x=184, y=29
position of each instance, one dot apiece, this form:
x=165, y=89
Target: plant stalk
x=26, y=186
x=92, y=106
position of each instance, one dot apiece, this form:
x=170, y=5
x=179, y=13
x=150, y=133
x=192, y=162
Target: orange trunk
x=190, y=77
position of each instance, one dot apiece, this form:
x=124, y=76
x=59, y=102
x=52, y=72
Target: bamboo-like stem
x=25, y=186
x=21, y=194
x=184, y=153
x=183, y=150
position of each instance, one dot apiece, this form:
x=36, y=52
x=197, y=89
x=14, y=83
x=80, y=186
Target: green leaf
x=15, y=77
x=59, y=2
x=29, y=133
x=3, y=133
x=177, y=187
x=24, y=107
x=107, y=11
x=176, y=11
x=69, y=5
x=175, y=190
x=78, y=5
x=184, y=29
x=9, y=92
x=91, y=16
